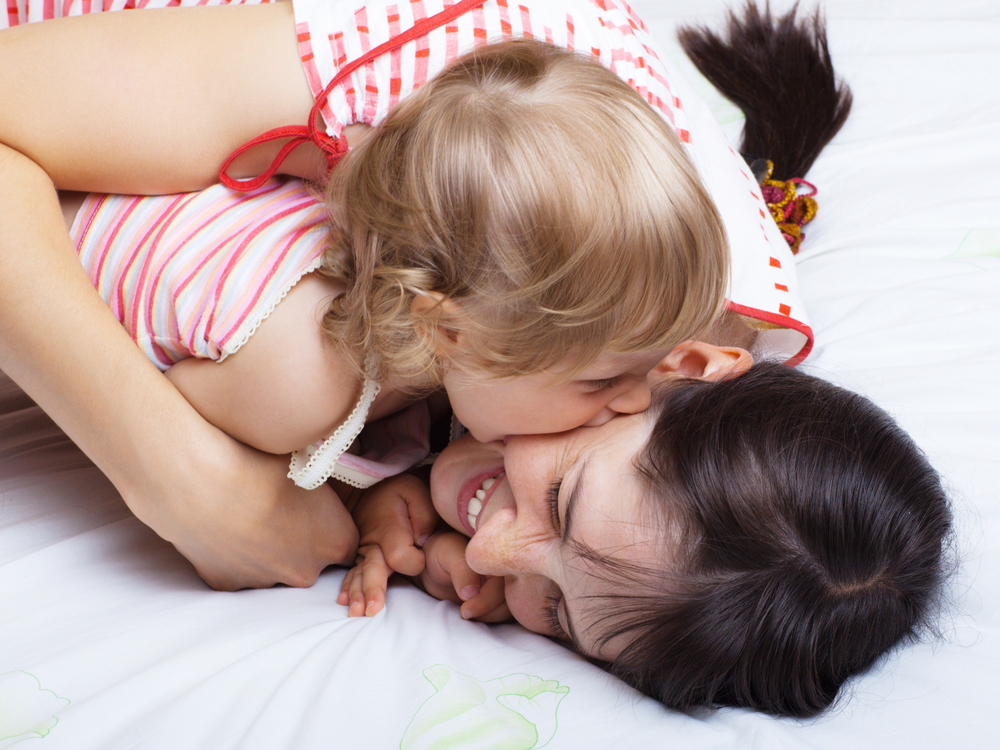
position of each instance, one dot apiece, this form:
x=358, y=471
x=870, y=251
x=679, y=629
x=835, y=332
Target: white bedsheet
x=108, y=639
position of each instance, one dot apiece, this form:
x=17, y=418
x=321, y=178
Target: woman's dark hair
x=806, y=531
x=780, y=74
x=809, y=535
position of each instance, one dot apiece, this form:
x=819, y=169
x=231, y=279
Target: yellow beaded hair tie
x=791, y=209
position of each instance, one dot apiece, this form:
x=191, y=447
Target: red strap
x=333, y=148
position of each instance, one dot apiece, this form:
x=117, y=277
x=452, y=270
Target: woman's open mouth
x=475, y=495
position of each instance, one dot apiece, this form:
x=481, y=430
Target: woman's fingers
x=259, y=529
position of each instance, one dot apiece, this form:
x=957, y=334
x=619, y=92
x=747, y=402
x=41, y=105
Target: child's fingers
x=466, y=581
x=344, y=597
x=447, y=576
x=355, y=593
x=423, y=518
x=375, y=577
x=400, y=554
x=489, y=604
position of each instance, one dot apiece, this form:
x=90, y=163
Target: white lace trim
x=354, y=477
x=313, y=465
x=250, y=325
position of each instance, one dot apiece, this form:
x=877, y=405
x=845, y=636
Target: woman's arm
x=228, y=509
x=153, y=101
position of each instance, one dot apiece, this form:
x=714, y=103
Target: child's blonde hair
x=541, y=193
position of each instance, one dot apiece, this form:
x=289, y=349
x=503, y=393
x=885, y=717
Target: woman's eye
x=551, y=614
x=552, y=497
x=596, y=386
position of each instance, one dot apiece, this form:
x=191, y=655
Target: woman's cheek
x=527, y=605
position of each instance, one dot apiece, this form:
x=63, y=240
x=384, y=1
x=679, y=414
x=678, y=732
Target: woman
x=749, y=541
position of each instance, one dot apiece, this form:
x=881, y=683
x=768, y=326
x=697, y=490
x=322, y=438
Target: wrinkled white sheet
x=108, y=639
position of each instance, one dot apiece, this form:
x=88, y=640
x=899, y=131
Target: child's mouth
x=475, y=495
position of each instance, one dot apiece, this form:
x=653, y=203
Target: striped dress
x=194, y=275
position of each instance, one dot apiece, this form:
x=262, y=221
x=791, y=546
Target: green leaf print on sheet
x=516, y=712
x=980, y=248
x=26, y=708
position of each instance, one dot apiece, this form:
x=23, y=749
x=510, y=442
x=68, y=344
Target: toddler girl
x=477, y=275
x=750, y=67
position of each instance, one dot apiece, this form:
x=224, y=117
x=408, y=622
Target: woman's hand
x=251, y=527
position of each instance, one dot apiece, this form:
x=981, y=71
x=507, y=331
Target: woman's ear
x=701, y=361
x=438, y=319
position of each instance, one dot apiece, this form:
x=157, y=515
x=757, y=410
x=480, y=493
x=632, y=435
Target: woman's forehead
x=611, y=561
x=609, y=515
x=614, y=537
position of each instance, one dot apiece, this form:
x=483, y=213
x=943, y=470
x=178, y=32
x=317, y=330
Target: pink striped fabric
x=193, y=275
x=331, y=32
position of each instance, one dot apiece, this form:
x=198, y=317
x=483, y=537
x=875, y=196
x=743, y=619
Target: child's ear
x=438, y=319
x=701, y=361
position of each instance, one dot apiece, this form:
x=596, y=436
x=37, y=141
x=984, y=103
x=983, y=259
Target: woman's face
x=537, y=494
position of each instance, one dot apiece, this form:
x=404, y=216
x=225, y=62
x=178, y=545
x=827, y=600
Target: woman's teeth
x=476, y=503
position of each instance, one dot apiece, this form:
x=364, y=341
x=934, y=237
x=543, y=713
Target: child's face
x=543, y=403
x=518, y=532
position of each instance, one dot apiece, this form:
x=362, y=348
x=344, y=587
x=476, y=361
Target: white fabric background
x=109, y=640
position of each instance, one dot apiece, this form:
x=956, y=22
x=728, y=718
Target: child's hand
x=393, y=518
x=448, y=576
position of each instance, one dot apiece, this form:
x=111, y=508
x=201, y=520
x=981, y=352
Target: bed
x=108, y=639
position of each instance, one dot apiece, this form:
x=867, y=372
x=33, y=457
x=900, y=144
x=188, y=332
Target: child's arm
x=285, y=388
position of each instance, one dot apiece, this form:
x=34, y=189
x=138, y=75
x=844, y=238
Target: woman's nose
x=503, y=547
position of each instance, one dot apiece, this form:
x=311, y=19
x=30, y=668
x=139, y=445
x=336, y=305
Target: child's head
x=752, y=542
x=531, y=204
